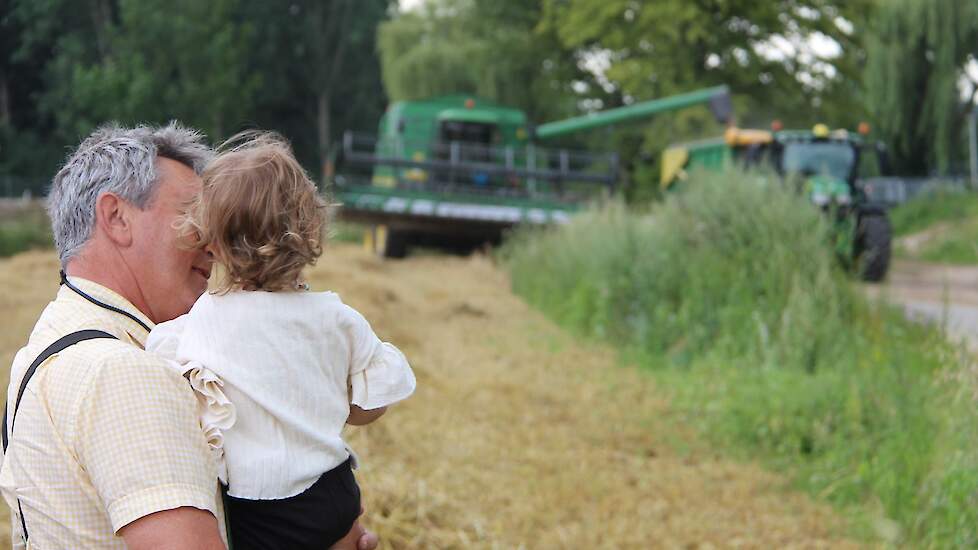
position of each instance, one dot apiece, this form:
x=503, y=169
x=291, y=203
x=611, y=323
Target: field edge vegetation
x=23, y=226
x=729, y=294
x=940, y=226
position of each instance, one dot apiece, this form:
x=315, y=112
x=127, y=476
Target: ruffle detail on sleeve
x=214, y=408
x=387, y=379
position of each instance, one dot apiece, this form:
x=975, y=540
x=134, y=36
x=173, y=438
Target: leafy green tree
x=339, y=45
x=760, y=49
x=320, y=71
x=158, y=61
x=916, y=62
x=496, y=49
x=32, y=34
x=307, y=68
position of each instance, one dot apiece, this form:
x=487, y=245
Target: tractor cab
x=838, y=153
x=823, y=165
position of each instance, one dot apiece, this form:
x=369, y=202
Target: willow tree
x=917, y=87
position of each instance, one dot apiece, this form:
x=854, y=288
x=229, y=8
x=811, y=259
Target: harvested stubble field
x=519, y=436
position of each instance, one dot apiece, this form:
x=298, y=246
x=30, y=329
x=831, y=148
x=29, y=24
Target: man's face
x=171, y=276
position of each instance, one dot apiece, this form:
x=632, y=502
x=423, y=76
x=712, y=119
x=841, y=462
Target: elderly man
x=103, y=448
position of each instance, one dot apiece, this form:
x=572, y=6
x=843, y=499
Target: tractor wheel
x=873, y=237
x=386, y=242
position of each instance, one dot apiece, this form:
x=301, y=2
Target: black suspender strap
x=56, y=347
x=103, y=305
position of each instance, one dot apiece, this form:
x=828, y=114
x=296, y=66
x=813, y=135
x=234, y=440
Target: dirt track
x=519, y=436
x=935, y=293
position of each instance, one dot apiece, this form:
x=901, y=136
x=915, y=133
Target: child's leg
x=357, y=539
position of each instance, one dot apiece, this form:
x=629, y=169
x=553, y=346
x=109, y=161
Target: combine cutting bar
x=422, y=210
x=462, y=188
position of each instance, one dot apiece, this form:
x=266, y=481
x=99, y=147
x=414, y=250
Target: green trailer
x=462, y=169
x=826, y=165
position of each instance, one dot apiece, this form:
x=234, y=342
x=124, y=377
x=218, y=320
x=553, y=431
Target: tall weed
x=729, y=293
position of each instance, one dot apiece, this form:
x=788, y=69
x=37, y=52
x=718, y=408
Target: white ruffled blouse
x=275, y=374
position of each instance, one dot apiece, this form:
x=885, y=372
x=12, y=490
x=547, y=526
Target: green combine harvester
x=826, y=165
x=460, y=170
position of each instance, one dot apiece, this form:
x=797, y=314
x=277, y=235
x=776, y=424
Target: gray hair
x=116, y=160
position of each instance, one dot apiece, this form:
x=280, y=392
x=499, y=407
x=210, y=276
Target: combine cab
x=459, y=170
x=826, y=165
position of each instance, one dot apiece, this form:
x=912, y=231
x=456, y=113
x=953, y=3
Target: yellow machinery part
x=738, y=137
x=383, y=180
x=673, y=161
x=375, y=239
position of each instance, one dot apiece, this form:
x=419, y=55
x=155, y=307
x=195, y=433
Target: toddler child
x=277, y=370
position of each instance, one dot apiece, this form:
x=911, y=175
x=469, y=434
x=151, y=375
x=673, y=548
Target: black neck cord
x=64, y=281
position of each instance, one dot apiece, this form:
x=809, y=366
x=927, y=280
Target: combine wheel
x=873, y=236
x=386, y=242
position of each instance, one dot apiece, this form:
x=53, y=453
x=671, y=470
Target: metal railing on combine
x=893, y=191
x=527, y=171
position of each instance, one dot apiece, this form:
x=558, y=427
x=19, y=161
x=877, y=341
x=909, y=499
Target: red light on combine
x=864, y=128
x=469, y=103
x=776, y=125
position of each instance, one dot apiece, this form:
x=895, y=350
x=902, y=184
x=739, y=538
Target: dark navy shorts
x=315, y=519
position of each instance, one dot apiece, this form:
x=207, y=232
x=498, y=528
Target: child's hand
x=357, y=539
x=360, y=417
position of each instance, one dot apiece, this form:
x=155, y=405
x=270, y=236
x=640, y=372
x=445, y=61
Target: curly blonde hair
x=259, y=213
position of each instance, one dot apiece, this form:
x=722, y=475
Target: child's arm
x=360, y=417
x=379, y=374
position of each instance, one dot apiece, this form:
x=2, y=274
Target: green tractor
x=826, y=165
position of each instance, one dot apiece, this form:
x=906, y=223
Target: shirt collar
x=110, y=297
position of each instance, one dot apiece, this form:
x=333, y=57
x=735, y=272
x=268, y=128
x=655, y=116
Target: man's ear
x=113, y=217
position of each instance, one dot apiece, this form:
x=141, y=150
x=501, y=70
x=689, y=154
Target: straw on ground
x=518, y=436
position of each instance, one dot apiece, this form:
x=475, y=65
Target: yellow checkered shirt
x=106, y=432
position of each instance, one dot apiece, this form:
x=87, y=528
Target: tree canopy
x=495, y=49
x=311, y=69
x=306, y=68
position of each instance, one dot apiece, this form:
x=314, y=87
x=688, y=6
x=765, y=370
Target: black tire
x=873, y=240
x=386, y=242
x=396, y=244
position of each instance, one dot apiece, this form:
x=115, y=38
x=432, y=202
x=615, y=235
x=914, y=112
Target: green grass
x=729, y=294
x=23, y=228
x=346, y=232
x=957, y=245
x=931, y=208
x=955, y=241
